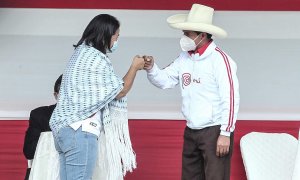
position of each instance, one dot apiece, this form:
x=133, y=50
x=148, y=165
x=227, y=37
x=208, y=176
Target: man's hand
x=223, y=144
x=149, y=62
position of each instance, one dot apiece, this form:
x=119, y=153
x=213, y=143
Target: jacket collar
x=203, y=52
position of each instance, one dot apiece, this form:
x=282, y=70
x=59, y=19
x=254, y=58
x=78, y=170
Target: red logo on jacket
x=186, y=79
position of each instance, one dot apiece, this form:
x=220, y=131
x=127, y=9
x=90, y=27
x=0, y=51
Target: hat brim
x=178, y=21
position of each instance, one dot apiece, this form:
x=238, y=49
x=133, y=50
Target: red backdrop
x=253, y=5
x=157, y=144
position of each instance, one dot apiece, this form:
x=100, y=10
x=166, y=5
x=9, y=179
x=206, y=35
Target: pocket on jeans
x=66, y=139
x=92, y=135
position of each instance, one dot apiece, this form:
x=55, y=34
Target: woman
x=92, y=97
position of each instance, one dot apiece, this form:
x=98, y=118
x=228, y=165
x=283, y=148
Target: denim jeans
x=78, y=153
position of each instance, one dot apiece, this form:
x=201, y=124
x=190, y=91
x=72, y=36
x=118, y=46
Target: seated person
x=38, y=122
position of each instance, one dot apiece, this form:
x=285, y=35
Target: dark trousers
x=199, y=159
x=27, y=173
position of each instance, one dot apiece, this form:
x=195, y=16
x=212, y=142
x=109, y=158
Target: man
x=38, y=122
x=210, y=95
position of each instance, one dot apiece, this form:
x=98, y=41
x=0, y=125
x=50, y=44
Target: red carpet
x=157, y=144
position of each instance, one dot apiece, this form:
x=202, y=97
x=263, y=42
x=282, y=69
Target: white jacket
x=209, y=87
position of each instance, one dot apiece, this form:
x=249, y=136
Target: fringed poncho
x=90, y=85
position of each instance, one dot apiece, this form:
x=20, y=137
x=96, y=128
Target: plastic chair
x=45, y=164
x=269, y=156
x=296, y=173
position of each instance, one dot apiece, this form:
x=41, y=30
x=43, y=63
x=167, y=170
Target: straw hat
x=199, y=19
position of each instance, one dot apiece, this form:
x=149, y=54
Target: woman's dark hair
x=99, y=31
x=57, y=84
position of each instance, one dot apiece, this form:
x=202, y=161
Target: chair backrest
x=268, y=156
x=296, y=172
x=46, y=159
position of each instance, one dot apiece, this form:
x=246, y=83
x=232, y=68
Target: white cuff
x=225, y=133
x=153, y=69
x=29, y=163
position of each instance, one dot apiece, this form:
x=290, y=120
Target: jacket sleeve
x=164, y=78
x=229, y=92
x=31, y=136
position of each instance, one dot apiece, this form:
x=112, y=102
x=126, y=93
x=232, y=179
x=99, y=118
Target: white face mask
x=114, y=47
x=188, y=44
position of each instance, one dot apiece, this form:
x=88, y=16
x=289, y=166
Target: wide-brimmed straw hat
x=199, y=19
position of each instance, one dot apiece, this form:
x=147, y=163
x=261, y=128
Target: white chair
x=296, y=172
x=45, y=163
x=269, y=156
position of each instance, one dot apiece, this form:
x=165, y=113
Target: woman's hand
x=138, y=62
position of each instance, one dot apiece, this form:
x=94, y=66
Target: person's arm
x=32, y=136
x=165, y=78
x=229, y=93
x=137, y=64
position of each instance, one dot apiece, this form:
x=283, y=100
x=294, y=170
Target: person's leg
x=62, y=160
x=27, y=173
x=216, y=168
x=192, y=162
x=80, y=150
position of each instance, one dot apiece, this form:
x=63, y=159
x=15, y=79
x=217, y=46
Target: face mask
x=188, y=44
x=56, y=96
x=114, y=47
